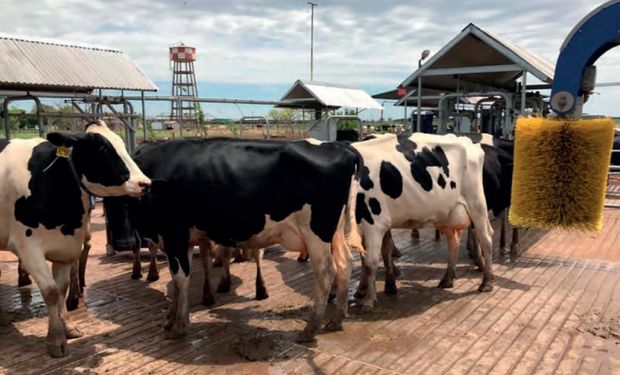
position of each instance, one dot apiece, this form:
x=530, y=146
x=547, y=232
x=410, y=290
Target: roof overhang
x=476, y=60
x=35, y=64
x=321, y=95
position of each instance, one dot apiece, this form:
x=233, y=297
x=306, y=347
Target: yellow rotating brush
x=560, y=173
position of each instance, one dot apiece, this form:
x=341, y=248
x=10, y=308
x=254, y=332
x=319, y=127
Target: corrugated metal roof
x=320, y=94
x=51, y=65
x=474, y=47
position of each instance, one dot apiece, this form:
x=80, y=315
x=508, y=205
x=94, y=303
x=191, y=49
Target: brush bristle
x=560, y=173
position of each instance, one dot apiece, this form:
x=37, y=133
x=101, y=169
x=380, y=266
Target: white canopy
x=312, y=94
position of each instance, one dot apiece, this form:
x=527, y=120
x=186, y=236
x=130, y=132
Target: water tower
x=182, y=58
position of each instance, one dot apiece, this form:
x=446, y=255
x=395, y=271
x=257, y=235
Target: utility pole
x=312, y=5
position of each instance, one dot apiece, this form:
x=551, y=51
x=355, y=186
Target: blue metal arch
x=597, y=33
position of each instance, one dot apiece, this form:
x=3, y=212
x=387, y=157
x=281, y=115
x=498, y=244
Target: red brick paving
x=556, y=309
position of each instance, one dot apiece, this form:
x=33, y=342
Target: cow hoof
x=72, y=303
x=57, y=350
x=218, y=263
x=446, y=284
x=73, y=333
x=208, y=301
x=485, y=287
x=305, y=337
x=333, y=326
x=151, y=278
x=223, y=287
x=514, y=252
x=303, y=258
x=390, y=288
x=136, y=276
x=261, y=294
x=24, y=281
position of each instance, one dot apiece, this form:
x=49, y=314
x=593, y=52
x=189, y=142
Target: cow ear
x=62, y=139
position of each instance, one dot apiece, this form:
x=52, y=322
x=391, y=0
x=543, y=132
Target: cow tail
x=353, y=237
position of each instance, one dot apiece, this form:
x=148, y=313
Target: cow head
x=126, y=216
x=122, y=235
x=102, y=162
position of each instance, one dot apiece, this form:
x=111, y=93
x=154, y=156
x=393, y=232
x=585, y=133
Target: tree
x=284, y=115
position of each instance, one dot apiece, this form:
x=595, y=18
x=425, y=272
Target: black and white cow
x=414, y=181
x=44, y=208
x=497, y=182
x=250, y=194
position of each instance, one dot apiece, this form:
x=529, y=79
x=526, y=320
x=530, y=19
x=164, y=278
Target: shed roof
x=430, y=98
x=313, y=94
x=40, y=64
x=477, y=60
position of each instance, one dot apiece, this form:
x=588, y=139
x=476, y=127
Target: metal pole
x=419, y=123
x=5, y=119
x=143, y=117
x=523, y=92
x=312, y=5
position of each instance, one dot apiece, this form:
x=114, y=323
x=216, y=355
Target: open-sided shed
x=34, y=68
x=476, y=63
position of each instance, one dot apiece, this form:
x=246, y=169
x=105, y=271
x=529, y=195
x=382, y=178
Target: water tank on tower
x=182, y=58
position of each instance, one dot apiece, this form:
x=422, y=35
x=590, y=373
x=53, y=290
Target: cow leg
x=502, y=234
x=205, y=256
x=373, y=249
x=437, y=235
x=82, y=263
x=484, y=236
x=180, y=262
x=415, y=235
x=36, y=265
x=342, y=261
x=363, y=284
x=136, y=270
x=473, y=248
x=153, y=271
x=387, y=247
x=62, y=274
x=224, y=285
x=323, y=268
x=515, y=251
x=261, y=290
x=454, y=239
x=73, y=299
x=22, y=276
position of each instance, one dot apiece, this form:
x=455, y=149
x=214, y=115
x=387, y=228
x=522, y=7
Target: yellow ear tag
x=63, y=152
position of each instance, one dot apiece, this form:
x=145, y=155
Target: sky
x=256, y=49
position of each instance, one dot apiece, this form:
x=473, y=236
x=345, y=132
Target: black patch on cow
x=452, y=185
x=99, y=161
x=366, y=183
x=406, y=146
x=391, y=180
x=423, y=159
x=55, y=199
x=375, y=206
x=361, y=210
x=3, y=144
x=240, y=182
x=441, y=181
x=28, y=232
x=475, y=137
x=497, y=178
